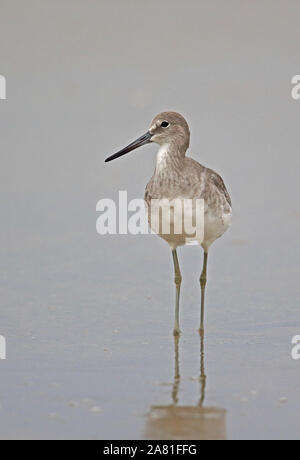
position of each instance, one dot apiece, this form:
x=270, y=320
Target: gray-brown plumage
x=177, y=177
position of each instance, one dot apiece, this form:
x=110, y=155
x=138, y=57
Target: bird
x=177, y=178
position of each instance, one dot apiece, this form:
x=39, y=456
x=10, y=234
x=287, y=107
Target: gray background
x=88, y=319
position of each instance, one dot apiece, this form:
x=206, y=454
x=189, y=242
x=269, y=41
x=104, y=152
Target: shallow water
x=96, y=363
x=87, y=318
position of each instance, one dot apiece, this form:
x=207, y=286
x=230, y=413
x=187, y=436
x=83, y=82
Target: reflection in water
x=186, y=422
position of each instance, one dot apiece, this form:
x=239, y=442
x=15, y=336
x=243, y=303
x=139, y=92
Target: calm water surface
x=88, y=319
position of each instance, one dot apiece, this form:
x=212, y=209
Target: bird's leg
x=176, y=383
x=178, y=284
x=202, y=379
x=203, y=280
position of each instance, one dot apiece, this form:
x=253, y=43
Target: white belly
x=215, y=226
x=178, y=228
x=179, y=221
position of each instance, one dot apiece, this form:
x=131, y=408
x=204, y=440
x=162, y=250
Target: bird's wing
x=219, y=183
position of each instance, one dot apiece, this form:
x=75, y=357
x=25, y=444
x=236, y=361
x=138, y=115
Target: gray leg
x=178, y=284
x=203, y=279
x=176, y=383
x=202, y=379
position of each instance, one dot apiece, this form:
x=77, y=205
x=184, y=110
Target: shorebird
x=178, y=177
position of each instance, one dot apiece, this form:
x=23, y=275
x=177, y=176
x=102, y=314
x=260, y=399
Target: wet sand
x=88, y=319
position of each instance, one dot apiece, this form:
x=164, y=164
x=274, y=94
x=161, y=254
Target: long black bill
x=144, y=139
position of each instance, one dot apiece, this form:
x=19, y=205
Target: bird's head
x=165, y=128
x=170, y=127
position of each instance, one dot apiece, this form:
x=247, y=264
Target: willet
x=177, y=177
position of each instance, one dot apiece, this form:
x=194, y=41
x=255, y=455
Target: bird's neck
x=169, y=158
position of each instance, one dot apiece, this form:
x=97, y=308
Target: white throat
x=162, y=155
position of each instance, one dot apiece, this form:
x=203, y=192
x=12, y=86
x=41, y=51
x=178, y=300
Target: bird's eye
x=164, y=124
